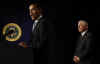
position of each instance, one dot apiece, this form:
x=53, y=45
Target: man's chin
x=80, y=31
x=34, y=18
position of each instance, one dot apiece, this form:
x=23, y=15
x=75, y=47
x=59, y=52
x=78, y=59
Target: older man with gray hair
x=84, y=47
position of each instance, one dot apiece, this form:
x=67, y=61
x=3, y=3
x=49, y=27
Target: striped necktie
x=34, y=25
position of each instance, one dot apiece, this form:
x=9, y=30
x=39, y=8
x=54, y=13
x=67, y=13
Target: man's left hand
x=76, y=59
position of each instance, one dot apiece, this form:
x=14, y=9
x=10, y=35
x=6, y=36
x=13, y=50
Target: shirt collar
x=37, y=20
x=83, y=33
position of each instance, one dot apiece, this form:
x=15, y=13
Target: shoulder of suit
x=89, y=34
x=46, y=21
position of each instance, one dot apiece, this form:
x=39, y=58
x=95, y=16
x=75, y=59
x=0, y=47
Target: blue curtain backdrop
x=19, y=16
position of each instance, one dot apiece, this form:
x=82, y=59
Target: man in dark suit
x=39, y=34
x=84, y=53
x=38, y=28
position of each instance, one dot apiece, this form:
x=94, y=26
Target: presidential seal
x=12, y=32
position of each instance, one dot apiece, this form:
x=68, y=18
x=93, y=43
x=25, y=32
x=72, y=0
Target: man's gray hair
x=84, y=21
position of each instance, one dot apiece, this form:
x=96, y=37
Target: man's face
x=82, y=26
x=34, y=11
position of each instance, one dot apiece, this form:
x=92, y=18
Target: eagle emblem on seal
x=12, y=31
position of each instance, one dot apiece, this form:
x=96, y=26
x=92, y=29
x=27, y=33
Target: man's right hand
x=22, y=44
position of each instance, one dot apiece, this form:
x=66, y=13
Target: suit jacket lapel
x=38, y=25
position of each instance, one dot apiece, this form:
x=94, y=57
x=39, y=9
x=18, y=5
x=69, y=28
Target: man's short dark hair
x=34, y=3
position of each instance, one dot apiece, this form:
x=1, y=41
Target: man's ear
x=41, y=11
x=86, y=27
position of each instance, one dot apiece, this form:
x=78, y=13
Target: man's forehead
x=32, y=6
